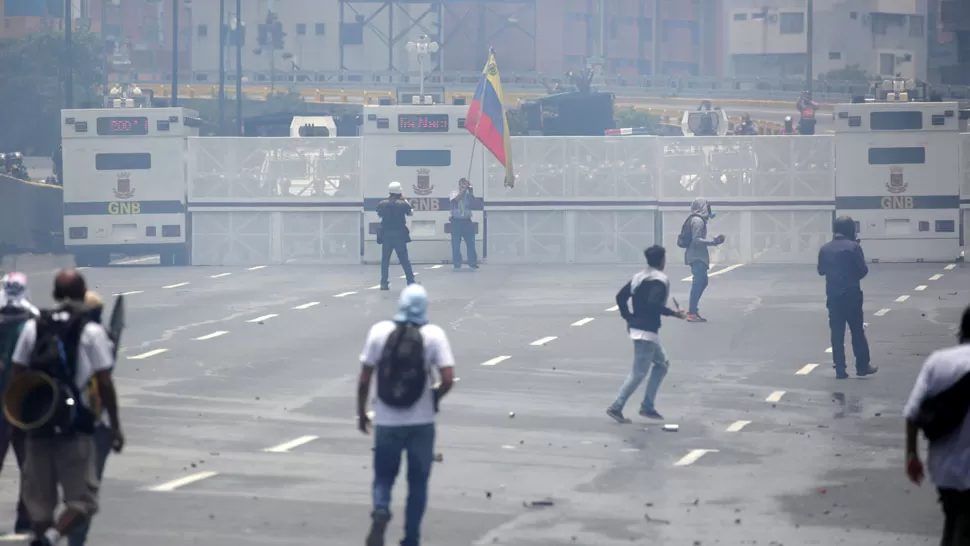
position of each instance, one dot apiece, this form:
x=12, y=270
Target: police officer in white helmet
x=393, y=234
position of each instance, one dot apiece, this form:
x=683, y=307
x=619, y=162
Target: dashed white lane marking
x=949, y=267
x=775, y=396
x=16, y=538
x=921, y=287
x=439, y=266
x=129, y=261
x=287, y=446
x=212, y=335
x=582, y=322
x=630, y=450
x=881, y=312
x=181, y=284
x=495, y=360
x=262, y=318
x=132, y=293
x=936, y=277
x=153, y=352
x=375, y=287
x=219, y=275
x=306, y=305
x=806, y=369
x=829, y=350
x=508, y=447
x=693, y=456
x=737, y=426
x=902, y=298
x=175, y=484
x=614, y=308
x=344, y=294
x=256, y=268
x=542, y=341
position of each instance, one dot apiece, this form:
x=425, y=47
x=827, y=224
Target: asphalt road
x=221, y=364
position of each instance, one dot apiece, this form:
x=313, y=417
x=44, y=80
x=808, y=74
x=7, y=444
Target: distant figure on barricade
x=693, y=238
x=393, y=234
x=462, y=227
x=843, y=265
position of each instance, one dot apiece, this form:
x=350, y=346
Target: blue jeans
x=463, y=229
x=699, y=271
x=418, y=442
x=102, y=445
x=847, y=310
x=648, y=356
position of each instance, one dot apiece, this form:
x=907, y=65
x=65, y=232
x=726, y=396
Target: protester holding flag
x=486, y=118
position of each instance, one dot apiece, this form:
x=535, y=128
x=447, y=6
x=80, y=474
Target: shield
x=423, y=185
x=124, y=185
x=896, y=182
x=117, y=324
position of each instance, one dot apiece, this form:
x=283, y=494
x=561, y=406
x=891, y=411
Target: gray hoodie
x=697, y=251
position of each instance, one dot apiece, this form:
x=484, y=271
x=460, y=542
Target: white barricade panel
x=232, y=238
x=606, y=236
x=762, y=168
x=273, y=170
x=331, y=237
x=965, y=165
x=527, y=236
x=576, y=168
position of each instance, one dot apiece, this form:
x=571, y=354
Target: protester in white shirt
x=949, y=456
x=409, y=429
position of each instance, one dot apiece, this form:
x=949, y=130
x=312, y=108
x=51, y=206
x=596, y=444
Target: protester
x=394, y=235
x=82, y=352
x=403, y=353
x=15, y=311
x=693, y=237
x=462, y=227
x=843, y=264
x=938, y=405
x=649, y=290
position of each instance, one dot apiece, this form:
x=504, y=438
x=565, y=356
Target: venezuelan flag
x=486, y=118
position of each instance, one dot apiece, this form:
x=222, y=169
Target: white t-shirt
x=948, y=460
x=94, y=353
x=437, y=355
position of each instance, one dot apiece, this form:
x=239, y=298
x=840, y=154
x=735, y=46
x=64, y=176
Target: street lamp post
x=422, y=48
x=238, y=31
x=68, y=55
x=222, y=67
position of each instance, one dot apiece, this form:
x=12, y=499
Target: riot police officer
x=393, y=235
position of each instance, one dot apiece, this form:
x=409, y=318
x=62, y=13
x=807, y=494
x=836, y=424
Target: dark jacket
x=393, y=212
x=649, y=290
x=843, y=265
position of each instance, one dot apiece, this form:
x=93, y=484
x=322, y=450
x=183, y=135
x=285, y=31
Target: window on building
x=792, y=23
x=916, y=26
x=645, y=29
x=203, y=31
x=301, y=29
x=853, y=15
x=423, y=158
x=835, y=55
x=758, y=15
x=897, y=156
x=896, y=121
x=740, y=16
x=887, y=64
x=320, y=28
x=122, y=162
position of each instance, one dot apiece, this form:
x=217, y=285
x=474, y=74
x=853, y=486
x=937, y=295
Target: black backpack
x=402, y=376
x=55, y=353
x=686, y=236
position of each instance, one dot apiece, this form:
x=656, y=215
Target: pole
x=239, y=30
x=421, y=82
x=175, y=52
x=222, y=67
x=68, y=55
x=809, y=38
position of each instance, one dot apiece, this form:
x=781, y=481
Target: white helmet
x=395, y=188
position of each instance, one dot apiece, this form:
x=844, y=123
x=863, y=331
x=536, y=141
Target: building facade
x=878, y=38
x=952, y=46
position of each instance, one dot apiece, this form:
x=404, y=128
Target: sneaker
x=385, y=286
x=841, y=374
x=457, y=268
x=378, y=526
x=617, y=416
x=473, y=267
x=696, y=318
x=42, y=541
x=651, y=414
x=868, y=371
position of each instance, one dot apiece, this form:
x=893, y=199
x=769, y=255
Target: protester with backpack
x=693, y=238
x=72, y=350
x=15, y=311
x=403, y=353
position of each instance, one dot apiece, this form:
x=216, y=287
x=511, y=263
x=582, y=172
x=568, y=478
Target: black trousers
x=956, y=512
x=10, y=437
x=398, y=244
x=846, y=310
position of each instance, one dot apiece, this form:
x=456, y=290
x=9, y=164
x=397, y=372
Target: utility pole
x=68, y=55
x=809, y=45
x=222, y=67
x=239, y=73
x=175, y=52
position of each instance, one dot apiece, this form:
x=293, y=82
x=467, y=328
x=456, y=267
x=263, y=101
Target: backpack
x=686, y=236
x=55, y=353
x=401, y=373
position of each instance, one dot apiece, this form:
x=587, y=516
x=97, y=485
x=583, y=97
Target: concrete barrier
x=31, y=217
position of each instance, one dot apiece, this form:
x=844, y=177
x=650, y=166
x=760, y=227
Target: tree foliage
x=32, y=92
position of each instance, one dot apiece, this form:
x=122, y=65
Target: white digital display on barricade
x=427, y=150
x=897, y=179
